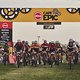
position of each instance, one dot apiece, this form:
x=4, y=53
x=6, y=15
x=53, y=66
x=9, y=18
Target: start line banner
x=40, y=14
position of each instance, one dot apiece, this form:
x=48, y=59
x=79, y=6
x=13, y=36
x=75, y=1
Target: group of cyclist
x=45, y=53
x=38, y=54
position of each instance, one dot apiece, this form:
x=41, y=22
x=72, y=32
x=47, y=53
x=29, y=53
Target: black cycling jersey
x=35, y=49
x=70, y=46
x=44, y=48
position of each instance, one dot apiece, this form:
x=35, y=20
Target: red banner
x=5, y=25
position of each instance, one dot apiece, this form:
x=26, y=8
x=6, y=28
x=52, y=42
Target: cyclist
x=18, y=59
x=51, y=58
x=45, y=51
x=45, y=45
x=58, y=51
x=52, y=47
x=71, y=50
x=18, y=46
x=34, y=48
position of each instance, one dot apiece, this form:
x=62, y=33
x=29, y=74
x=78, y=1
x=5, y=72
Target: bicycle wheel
x=9, y=13
x=24, y=62
x=72, y=10
x=70, y=61
x=57, y=60
x=51, y=62
x=70, y=64
x=35, y=63
x=18, y=62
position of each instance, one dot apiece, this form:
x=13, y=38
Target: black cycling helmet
x=35, y=42
x=23, y=41
x=45, y=41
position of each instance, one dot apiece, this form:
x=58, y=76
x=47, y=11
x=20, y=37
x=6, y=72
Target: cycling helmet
x=49, y=42
x=57, y=42
x=35, y=41
x=26, y=42
x=18, y=40
x=70, y=40
x=23, y=41
x=52, y=41
x=45, y=41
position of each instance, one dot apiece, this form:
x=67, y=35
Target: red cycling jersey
x=45, y=45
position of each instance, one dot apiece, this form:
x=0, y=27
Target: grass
x=61, y=72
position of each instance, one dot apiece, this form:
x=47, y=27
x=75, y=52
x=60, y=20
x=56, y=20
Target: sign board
x=40, y=14
x=5, y=32
x=48, y=27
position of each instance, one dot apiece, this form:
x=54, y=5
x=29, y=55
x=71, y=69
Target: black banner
x=5, y=32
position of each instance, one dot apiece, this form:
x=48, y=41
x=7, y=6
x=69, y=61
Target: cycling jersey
x=35, y=47
x=44, y=46
x=57, y=45
x=70, y=46
x=52, y=47
x=58, y=48
x=18, y=46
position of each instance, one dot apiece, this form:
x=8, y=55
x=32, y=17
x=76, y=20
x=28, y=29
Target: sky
x=40, y=3
x=29, y=31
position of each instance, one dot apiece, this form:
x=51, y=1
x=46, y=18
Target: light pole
x=38, y=38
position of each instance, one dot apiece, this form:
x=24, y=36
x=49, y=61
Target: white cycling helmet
x=19, y=40
x=57, y=42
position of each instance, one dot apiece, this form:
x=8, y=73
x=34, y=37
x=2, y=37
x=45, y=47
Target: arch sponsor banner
x=40, y=14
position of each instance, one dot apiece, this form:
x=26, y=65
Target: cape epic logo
x=51, y=15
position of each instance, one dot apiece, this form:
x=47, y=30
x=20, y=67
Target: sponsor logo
x=5, y=25
x=38, y=16
x=51, y=15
